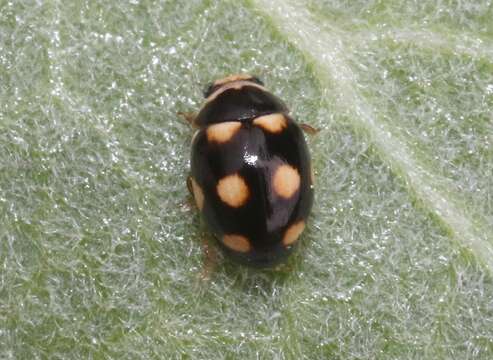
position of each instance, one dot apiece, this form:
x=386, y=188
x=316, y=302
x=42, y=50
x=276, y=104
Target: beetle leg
x=190, y=204
x=310, y=130
x=211, y=259
x=188, y=116
x=189, y=184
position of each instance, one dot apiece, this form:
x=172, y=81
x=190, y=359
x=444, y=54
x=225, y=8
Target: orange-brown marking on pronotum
x=233, y=190
x=286, y=181
x=198, y=194
x=232, y=78
x=222, y=132
x=293, y=233
x=237, y=243
x=273, y=123
x=237, y=85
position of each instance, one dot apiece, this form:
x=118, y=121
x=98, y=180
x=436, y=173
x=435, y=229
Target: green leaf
x=100, y=252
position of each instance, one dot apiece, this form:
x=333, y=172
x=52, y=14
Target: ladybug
x=250, y=175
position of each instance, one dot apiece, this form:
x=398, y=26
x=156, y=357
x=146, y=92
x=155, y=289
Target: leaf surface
x=100, y=253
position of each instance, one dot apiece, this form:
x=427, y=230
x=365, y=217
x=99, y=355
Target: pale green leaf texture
x=100, y=251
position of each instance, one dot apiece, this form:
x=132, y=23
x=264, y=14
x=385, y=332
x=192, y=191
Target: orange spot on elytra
x=293, y=233
x=273, y=123
x=233, y=190
x=222, y=132
x=286, y=181
x=237, y=243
